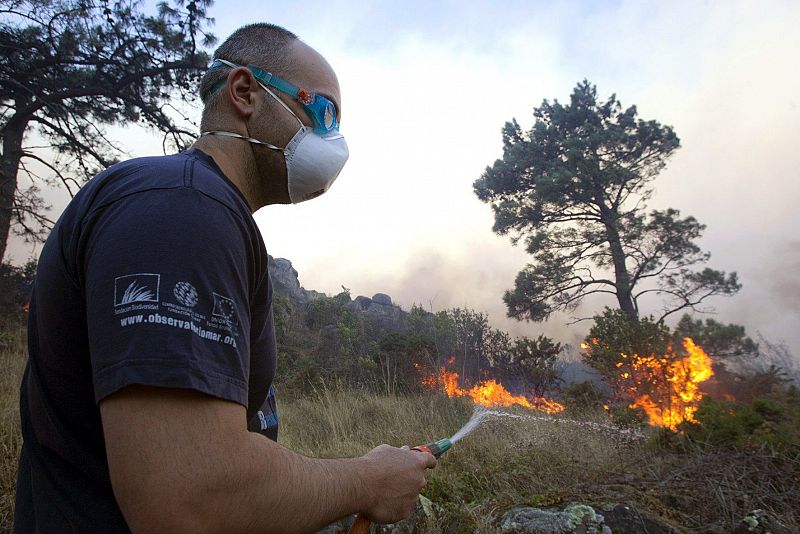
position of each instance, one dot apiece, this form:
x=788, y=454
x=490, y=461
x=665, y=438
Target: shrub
x=614, y=334
x=626, y=416
x=583, y=396
x=15, y=288
x=772, y=421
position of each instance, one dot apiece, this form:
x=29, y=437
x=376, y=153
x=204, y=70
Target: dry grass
x=548, y=461
x=12, y=362
x=505, y=462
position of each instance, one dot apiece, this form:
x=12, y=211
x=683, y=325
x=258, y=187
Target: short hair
x=262, y=44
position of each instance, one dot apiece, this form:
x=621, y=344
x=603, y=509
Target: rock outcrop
x=573, y=519
x=579, y=518
x=285, y=280
x=380, y=308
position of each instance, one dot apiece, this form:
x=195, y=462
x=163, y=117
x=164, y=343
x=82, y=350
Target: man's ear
x=243, y=92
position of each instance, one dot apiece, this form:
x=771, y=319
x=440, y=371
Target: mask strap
x=282, y=103
x=250, y=139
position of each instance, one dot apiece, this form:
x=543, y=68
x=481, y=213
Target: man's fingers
x=430, y=460
x=405, y=447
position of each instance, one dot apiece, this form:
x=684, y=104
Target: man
x=144, y=404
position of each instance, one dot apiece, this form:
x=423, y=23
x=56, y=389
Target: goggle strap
x=216, y=64
x=217, y=86
x=267, y=78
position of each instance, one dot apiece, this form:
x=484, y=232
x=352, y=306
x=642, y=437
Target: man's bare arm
x=181, y=461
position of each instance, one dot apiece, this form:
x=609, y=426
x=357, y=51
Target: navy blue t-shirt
x=155, y=274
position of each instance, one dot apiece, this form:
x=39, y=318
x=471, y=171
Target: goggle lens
x=330, y=116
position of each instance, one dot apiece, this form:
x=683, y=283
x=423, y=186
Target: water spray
x=436, y=448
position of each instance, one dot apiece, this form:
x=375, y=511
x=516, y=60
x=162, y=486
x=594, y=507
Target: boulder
x=363, y=302
x=380, y=310
x=579, y=518
x=382, y=298
x=624, y=519
x=574, y=519
x=390, y=317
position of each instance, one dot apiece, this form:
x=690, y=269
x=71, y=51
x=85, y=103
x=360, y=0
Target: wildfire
x=488, y=393
x=672, y=384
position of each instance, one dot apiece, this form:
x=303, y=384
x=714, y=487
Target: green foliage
x=772, y=421
x=535, y=361
x=421, y=324
x=663, y=439
x=626, y=416
x=73, y=66
x=327, y=311
x=717, y=339
x=581, y=396
x=574, y=188
x=465, y=334
x=328, y=339
x=15, y=287
x=614, y=334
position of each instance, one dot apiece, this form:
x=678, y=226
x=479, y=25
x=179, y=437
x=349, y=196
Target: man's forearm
x=273, y=489
x=183, y=462
x=264, y=487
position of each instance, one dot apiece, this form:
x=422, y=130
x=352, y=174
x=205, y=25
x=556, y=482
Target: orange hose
x=360, y=526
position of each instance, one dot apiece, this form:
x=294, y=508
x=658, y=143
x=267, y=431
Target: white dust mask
x=313, y=162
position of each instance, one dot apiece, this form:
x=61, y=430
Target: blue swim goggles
x=319, y=109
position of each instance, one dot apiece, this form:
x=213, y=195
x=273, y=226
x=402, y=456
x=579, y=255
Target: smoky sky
x=426, y=90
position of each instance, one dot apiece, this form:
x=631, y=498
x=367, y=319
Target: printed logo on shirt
x=140, y=287
x=186, y=294
x=224, y=308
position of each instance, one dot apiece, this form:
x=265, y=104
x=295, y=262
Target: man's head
x=237, y=100
x=264, y=45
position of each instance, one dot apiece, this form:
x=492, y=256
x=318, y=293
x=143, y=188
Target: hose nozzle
x=437, y=448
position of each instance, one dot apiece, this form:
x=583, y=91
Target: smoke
x=784, y=279
x=476, y=274
x=472, y=275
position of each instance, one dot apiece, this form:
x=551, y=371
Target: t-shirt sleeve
x=168, y=278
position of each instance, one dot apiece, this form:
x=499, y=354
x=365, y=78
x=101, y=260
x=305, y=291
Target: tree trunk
x=622, y=278
x=13, y=134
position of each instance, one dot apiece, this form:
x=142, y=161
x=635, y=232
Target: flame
x=673, y=384
x=488, y=393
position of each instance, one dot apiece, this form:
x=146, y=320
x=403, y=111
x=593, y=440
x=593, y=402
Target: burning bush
x=488, y=393
x=646, y=370
x=614, y=334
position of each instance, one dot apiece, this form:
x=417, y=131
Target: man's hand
x=181, y=461
x=396, y=477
